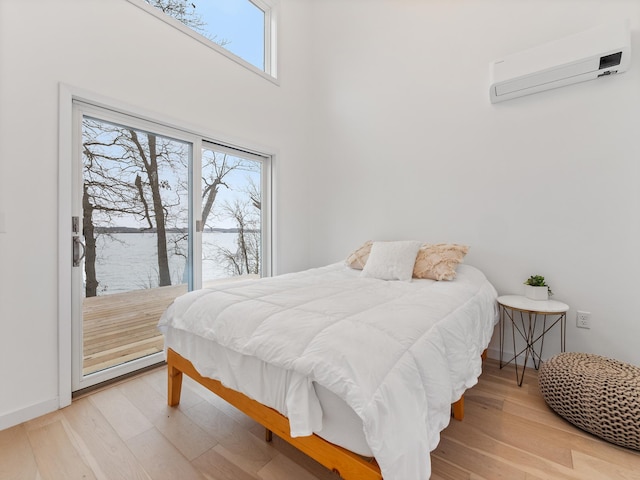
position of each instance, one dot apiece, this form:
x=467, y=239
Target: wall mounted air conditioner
x=598, y=52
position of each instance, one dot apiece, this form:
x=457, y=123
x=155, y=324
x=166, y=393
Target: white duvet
x=398, y=353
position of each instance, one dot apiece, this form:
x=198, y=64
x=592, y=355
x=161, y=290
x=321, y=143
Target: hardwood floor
x=126, y=431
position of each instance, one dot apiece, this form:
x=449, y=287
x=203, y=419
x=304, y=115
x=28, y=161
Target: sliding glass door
x=156, y=212
x=133, y=240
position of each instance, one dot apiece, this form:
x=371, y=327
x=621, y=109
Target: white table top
x=523, y=303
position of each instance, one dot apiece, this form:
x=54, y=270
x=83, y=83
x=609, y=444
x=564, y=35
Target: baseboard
x=493, y=353
x=17, y=417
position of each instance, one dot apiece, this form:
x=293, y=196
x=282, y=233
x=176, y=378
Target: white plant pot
x=536, y=293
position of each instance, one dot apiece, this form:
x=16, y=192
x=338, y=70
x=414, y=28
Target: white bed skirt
x=268, y=384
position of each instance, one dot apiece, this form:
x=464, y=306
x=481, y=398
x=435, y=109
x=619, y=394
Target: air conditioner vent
x=584, y=56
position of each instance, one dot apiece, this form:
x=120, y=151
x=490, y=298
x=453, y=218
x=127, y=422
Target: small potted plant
x=536, y=288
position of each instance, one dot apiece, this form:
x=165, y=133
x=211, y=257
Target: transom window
x=243, y=30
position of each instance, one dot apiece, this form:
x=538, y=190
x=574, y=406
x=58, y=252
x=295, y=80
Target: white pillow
x=392, y=260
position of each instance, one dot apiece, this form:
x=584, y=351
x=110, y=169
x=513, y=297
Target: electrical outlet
x=583, y=319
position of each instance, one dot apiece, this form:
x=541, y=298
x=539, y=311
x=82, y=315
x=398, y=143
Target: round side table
x=525, y=315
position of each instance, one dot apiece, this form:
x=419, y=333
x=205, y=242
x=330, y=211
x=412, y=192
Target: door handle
x=77, y=255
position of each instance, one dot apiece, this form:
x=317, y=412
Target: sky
x=239, y=22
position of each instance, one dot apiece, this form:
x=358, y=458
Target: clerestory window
x=243, y=30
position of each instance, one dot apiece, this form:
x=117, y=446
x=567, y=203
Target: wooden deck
x=123, y=326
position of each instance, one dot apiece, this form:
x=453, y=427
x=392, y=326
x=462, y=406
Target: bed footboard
x=348, y=465
x=345, y=463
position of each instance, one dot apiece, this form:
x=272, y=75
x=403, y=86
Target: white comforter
x=398, y=353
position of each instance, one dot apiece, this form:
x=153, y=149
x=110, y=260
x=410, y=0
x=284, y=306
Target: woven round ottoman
x=597, y=394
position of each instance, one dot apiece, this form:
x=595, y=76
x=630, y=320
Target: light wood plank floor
x=126, y=431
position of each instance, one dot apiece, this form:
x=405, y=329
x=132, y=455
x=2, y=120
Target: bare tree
x=106, y=192
x=246, y=258
x=182, y=10
x=253, y=192
x=215, y=168
x=185, y=12
x=148, y=155
x=123, y=178
x=133, y=176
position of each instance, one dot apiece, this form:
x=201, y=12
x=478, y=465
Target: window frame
x=266, y=180
x=269, y=8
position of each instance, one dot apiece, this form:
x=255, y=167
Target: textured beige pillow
x=434, y=261
x=439, y=261
x=358, y=258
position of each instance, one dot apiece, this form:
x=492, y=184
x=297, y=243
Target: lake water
x=128, y=261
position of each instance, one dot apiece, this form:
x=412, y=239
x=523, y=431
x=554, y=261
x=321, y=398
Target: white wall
x=409, y=146
x=116, y=50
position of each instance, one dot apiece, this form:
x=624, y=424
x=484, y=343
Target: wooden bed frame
x=346, y=464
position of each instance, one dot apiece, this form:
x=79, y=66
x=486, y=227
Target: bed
x=357, y=372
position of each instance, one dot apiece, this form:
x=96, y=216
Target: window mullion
x=195, y=216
